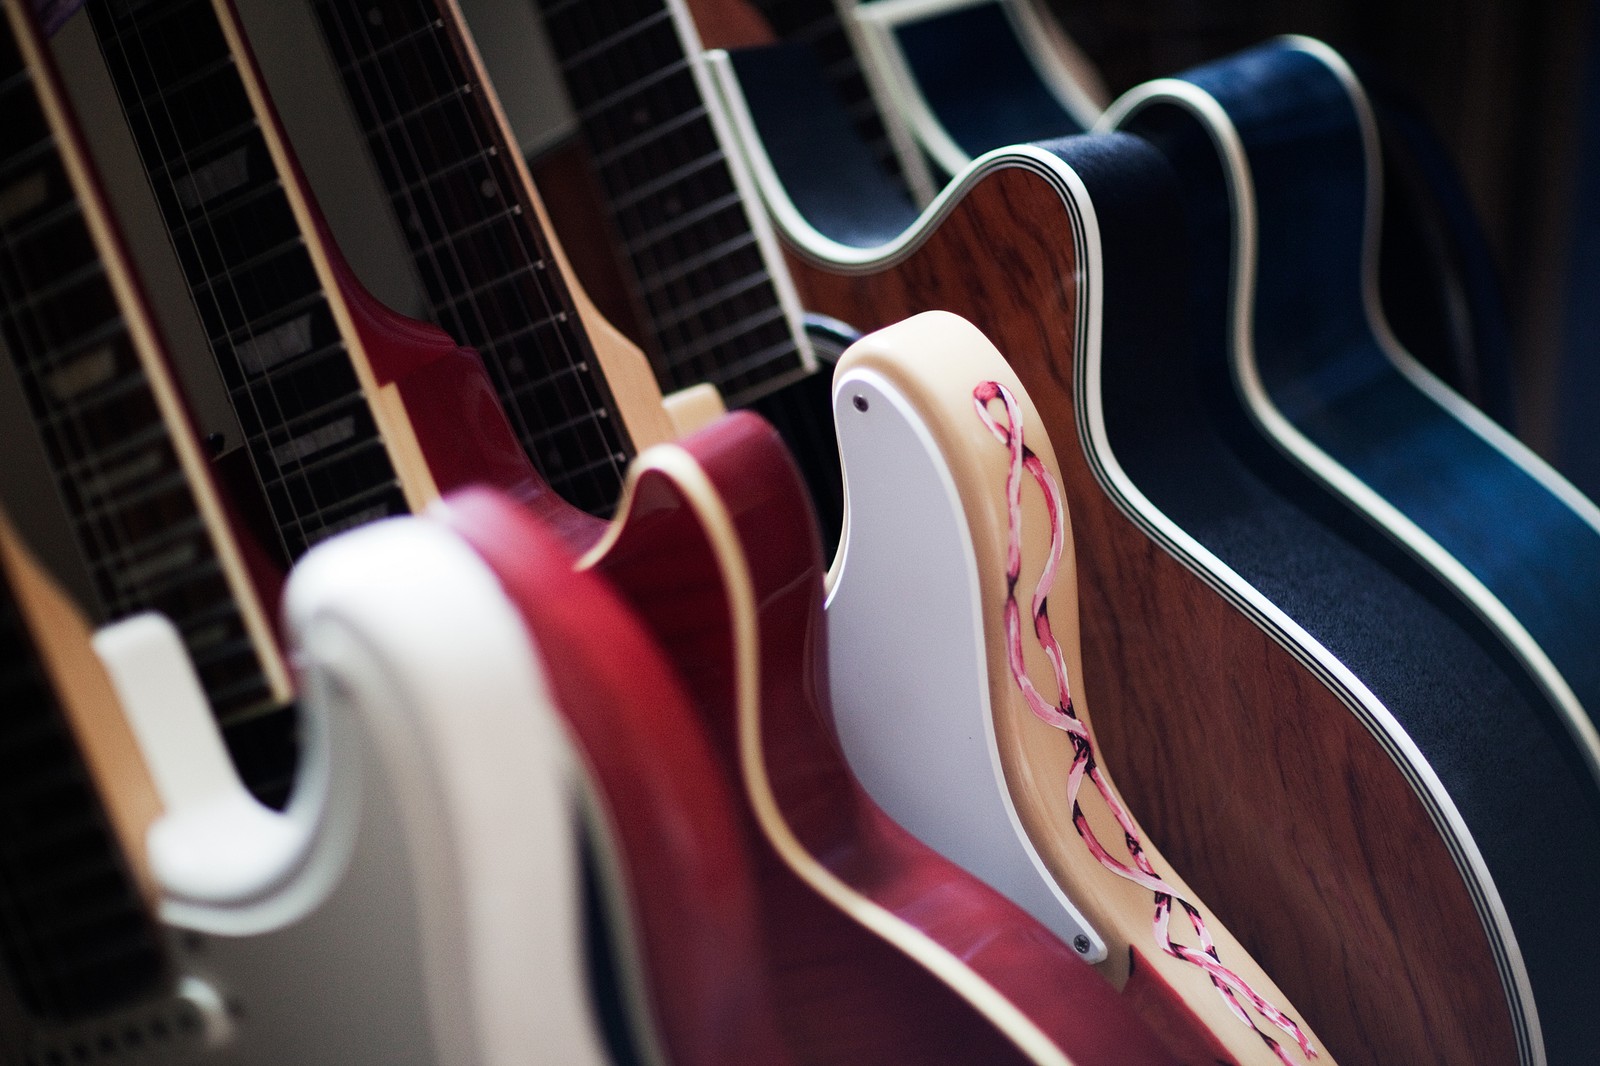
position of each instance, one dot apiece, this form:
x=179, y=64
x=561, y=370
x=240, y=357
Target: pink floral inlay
x=1062, y=716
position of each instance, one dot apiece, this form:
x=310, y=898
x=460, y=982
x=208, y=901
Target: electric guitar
x=930, y=922
x=1062, y=252
x=1278, y=150
x=156, y=911
x=107, y=403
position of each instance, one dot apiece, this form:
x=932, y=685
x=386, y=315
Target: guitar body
x=1170, y=626
x=418, y=901
x=1332, y=401
x=945, y=729
x=880, y=950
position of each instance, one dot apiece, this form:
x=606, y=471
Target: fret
x=670, y=189
x=598, y=49
x=742, y=245
x=649, y=137
x=471, y=230
x=708, y=213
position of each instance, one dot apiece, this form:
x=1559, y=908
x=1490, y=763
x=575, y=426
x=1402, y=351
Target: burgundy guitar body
x=845, y=990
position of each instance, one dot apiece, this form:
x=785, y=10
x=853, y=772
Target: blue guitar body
x=1443, y=563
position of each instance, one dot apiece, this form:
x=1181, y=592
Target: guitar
x=714, y=550
x=1062, y=251
x=931, y=922
x=1322, y=380
x=1006, y=776
x=375, y=920
x=970, y=75
x=973, y=75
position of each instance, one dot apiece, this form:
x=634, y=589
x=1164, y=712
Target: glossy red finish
x=668, y=807
x=845, y=994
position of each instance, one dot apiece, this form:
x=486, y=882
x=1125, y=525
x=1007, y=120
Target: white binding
x=1402, y=529
x=1057, y=60
x=1289, y=439
x=431, y=913
x=914, y=715
x=1361, y=701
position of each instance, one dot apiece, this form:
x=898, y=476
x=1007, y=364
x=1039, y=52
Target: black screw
x=1081, y=944
x=860, y=402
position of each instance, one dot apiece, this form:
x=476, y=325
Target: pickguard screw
x=1080, y=943
x=860, y=402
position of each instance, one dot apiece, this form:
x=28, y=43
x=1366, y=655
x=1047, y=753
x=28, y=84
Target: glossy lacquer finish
x=880, y=950
x=661, y=796
x=1260, y=771
x=1478, y=540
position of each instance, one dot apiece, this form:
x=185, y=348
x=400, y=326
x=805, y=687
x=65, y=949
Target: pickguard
x=910, y=683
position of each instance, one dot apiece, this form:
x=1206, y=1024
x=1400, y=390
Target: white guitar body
x=908, y=657
x=418, y=901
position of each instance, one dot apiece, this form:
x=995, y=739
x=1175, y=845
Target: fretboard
x=308, y=426
x=74, y=934
x=817, y=25
x=111, y=449
x=714, y=306
x=469, y=219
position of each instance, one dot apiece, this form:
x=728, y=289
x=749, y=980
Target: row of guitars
x=565, y=742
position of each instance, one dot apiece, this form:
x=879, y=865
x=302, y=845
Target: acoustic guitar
x=1278, y=151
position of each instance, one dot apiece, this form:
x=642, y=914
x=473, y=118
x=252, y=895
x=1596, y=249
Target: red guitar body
x=844, y=991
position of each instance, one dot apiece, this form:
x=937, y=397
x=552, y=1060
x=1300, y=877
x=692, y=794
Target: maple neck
x=118, y=442
x=75, y=934
x=225, y=184
x=455, y=180
x=710, y=289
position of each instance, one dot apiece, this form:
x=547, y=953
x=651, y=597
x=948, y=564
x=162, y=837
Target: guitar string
x=1063, y=716
x=556, y=311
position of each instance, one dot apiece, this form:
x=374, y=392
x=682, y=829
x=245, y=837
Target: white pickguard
x=419, y=901
x=909, y=674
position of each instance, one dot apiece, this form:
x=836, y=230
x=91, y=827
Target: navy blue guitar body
x=1508, y=752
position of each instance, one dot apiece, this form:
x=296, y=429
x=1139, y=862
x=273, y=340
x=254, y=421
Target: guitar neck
x=456, y=182
x=148, y=521
x=257, y=265
x=818, y=25
x=709, y=275
x=76, y=935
